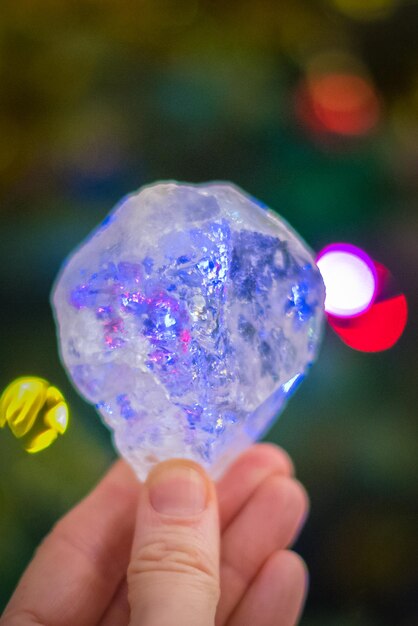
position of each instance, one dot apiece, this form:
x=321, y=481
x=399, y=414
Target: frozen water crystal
x=188, y=318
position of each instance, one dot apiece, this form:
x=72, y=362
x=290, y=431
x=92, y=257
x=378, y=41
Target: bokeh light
x=350, y=279
x=340, y=102
x=344, y=103
x=35, y=411
x=363, y=305
x=378, y=329
x=366, y=9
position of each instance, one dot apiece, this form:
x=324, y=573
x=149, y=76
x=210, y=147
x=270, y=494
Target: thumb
x=173, y=577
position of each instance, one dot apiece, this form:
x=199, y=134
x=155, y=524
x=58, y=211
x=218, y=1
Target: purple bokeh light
x=350, y=279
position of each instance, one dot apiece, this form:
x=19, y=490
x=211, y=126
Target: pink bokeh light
x=350, y=279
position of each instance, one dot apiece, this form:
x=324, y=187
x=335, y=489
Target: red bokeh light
x=344, y=103
x=339, y=103
x=382, y=325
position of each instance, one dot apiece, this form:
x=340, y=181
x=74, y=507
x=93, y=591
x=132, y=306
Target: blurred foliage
x=100, y=97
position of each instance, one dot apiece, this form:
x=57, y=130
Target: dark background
x=98, y=97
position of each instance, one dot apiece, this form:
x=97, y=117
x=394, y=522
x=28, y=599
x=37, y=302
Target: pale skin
x=177, y=550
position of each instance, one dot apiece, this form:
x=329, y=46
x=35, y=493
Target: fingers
x=234, y=489
x=79, y=565
x=96, y=539
x=246, y=474
x=173, y=577
x=276, y=596
x=268, y=522
x=118, y=612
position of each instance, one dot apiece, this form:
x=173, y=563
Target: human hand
x=114, y=545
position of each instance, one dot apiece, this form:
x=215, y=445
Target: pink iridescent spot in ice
x=350, y=279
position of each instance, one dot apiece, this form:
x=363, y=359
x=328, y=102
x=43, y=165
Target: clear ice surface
x=188, y=318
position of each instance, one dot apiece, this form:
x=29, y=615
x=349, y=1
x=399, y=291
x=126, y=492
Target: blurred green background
x=98, y=97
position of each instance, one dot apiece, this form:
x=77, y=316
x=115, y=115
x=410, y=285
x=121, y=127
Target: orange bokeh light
x=341, y=103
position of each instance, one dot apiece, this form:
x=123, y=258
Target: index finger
x=79, y=565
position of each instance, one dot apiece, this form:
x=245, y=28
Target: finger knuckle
x=178, y=554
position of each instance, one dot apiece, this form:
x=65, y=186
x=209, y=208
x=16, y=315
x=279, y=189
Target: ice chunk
x=188, y=318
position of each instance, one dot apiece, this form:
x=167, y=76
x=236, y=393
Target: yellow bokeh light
x=35, y=412
x=366, y=9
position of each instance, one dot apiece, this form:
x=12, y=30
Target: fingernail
x=177, y=490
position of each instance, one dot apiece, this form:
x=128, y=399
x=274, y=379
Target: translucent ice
x=188, y=318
